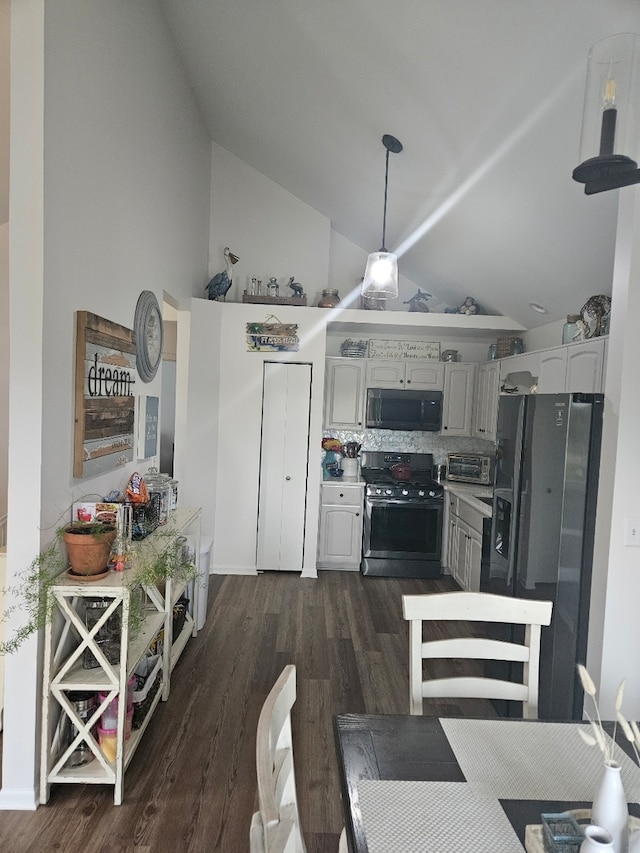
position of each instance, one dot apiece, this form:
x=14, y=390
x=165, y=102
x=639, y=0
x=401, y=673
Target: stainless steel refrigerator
x=544, y=506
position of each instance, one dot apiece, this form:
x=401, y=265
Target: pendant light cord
x=384, y=214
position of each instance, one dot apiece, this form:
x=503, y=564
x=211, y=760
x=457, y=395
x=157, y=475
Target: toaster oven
x=470, y=468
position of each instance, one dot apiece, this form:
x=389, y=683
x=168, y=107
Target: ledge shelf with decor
x=90, y=663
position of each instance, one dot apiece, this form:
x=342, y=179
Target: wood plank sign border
x=104, y=395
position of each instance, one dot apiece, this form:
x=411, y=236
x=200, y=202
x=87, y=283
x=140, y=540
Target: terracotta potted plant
x=89, y=546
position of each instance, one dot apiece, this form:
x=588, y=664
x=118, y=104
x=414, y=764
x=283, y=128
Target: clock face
x=148, y=333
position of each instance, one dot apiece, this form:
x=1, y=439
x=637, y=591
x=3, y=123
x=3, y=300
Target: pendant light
x=381, y=274
x=609, y=150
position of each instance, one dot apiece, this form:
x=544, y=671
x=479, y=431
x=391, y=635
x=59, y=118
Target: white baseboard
x=18, y=799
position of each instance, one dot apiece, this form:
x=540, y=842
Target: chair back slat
x=277, y=797
x=475, y=607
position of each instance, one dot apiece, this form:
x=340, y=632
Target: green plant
x=30, y=596
x=153, y=565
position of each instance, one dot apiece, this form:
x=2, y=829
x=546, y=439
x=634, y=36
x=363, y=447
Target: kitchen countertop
x=470, y=493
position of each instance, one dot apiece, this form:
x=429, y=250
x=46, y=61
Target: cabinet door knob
x=357, y=514
x=287, y=477
x=341, y=495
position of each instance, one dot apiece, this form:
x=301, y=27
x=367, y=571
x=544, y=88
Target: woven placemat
x=431, y=817
x=519, y=760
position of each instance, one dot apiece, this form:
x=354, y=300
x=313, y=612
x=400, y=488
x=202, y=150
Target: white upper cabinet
x=457, y=408
x=585, y=366
x=569, y=368
x=418, y=374
x=552, y=371
x=485, y=411
x=344, y=393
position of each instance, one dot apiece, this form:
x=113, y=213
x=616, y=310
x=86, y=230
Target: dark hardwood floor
x=191, y=785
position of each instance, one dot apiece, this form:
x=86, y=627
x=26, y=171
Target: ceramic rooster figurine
x=220, y=283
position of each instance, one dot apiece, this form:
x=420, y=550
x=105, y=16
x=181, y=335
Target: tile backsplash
x=414, y=442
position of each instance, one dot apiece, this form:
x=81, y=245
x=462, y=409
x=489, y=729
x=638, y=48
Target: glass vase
x=610, y=809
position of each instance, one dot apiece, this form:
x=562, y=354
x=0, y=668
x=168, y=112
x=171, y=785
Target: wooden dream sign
x=104, y=395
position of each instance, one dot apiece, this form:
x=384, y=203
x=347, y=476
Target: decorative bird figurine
x=295, y=286
x=419, y=301
x=220, y=283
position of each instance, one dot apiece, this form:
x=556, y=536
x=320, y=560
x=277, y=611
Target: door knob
x=287, y=478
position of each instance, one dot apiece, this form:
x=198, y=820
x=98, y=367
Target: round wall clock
x=147, y=327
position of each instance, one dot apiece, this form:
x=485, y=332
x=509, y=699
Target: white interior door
x=284, y=455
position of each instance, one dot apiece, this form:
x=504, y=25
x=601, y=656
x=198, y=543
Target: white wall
x=549, y=335
x=4, y=363
x=272, y=232
x=224, y=417
x=123, y=204
x=275, y=234
x=614, y=632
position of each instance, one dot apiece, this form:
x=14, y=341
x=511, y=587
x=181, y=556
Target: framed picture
x=104, y=395
x=148, y=408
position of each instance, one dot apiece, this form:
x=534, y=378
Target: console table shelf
x=68, y=640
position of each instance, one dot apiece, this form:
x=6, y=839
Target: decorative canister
x=329, y=299
x=570, y=329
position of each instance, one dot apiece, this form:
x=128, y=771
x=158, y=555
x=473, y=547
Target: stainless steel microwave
x=396, y=408
x=470, y=468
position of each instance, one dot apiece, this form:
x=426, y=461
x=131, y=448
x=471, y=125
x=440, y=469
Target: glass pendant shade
x=609, y=150
x=381, y=275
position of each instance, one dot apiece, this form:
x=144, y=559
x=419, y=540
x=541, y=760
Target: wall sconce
x=381, y=273
x=609, y=140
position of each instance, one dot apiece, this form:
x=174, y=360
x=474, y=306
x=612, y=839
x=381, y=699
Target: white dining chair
x=275, y=828
x=475, y=607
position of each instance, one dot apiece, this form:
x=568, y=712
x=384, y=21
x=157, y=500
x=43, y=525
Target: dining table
x=420, y=784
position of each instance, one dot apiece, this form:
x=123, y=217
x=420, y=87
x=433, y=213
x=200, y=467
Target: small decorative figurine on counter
x=419, y=301
x=469, y=306
x=296, y=287
x=220, y=283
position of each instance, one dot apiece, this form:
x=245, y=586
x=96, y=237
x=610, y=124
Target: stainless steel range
x=402, y=517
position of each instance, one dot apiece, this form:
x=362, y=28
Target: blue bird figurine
x=220, y=283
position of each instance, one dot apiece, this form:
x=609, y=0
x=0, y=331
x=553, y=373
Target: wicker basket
x=148, y=675
x=508, y=346
x=354, y=349
x=179, y=617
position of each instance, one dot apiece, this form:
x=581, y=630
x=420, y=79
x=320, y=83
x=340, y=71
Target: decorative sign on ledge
x=404, y=349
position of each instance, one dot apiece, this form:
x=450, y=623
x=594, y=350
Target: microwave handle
x=372, y=415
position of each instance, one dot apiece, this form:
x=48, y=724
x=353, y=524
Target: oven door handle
x=379, y=501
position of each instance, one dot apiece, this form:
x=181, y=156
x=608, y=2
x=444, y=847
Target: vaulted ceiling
x=486, y=97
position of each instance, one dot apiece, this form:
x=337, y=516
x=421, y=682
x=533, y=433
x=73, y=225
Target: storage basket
x=179, y=617
x=148, y=675
x=508, y=346
x=145, y=517
x=107, y=639
x=354, y=349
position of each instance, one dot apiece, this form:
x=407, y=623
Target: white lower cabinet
x=340, y=538
x=464, y=552
x=88, y=664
